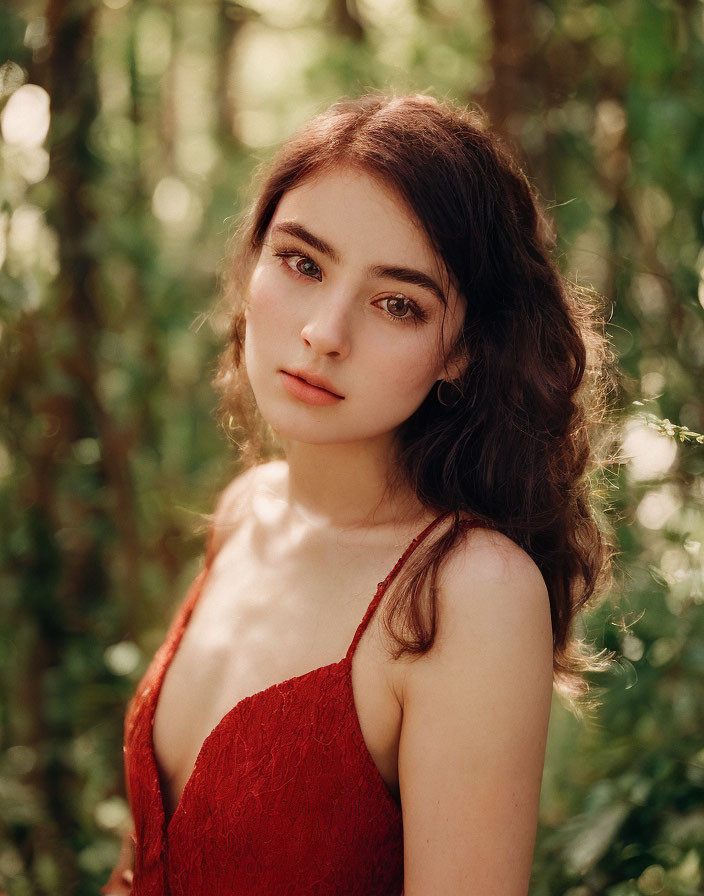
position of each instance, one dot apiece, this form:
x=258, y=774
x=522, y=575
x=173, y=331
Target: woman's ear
x=455, y=370
x=457, y=362
x=458, y=358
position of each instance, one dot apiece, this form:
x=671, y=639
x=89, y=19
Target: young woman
x=430, y=380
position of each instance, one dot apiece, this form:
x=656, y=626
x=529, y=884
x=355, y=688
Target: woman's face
x=346, y=329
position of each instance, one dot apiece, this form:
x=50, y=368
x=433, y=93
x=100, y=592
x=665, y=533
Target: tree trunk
x=507, y=100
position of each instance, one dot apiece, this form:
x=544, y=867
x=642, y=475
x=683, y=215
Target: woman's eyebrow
x=298, y=230
x=409, y=275
x=390, y=272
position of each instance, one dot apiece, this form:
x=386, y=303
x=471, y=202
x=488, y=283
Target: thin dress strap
x=381, y=590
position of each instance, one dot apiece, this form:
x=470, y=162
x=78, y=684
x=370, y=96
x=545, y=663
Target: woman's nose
x=327, y=331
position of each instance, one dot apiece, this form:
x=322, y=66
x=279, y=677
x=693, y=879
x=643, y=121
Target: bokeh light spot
x=657, y=506
x=25, y=118
x=122, y=658
x=171, y=200
x=649, y=454
x=112, y=814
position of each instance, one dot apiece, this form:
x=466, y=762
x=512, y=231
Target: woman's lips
x=307, y=392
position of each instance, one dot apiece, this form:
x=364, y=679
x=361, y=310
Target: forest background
x=130, y=131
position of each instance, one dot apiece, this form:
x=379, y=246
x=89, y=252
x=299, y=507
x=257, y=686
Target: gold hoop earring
x=454, y=398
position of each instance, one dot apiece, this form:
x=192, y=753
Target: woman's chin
x=311, y=432
x=319, y=433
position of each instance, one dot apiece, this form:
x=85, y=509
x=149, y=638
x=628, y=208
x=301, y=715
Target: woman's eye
x=300, y=264
x=309, y=268
x=397, y=306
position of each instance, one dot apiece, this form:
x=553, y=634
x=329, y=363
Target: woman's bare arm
x=475, y=717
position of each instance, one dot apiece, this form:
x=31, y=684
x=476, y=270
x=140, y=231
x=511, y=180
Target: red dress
x=284, y=798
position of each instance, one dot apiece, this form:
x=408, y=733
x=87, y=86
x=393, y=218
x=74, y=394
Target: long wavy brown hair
x=520, y=438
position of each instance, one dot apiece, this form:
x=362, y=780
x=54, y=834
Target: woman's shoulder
x=486, y=554
x=493, y=618
x=487, y=583
x=235, y=501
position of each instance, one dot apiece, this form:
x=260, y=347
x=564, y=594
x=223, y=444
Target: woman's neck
x=347, y=486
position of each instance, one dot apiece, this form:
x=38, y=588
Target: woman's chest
x=254, y=627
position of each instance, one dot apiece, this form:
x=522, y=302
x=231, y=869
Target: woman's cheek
x=261, y=294
x=415, y=368
x=275, y=305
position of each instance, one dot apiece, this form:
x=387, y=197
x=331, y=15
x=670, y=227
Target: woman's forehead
x=357, y=213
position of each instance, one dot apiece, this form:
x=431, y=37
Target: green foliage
x=112, y=234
